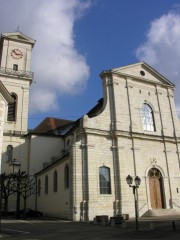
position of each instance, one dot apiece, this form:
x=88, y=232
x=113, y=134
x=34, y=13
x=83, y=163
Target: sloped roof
x=52, y=126
x=96, y=109
x=5, y=93
x=18, y=36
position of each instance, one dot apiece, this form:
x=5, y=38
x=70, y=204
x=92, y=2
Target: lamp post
x=2, y=177
x=15, y=171
x=14, y=166
x=137, y=182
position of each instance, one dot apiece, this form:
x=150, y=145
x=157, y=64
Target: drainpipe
x=74, y=201
x=130, y=128
x=164, y=143
x=115, y=150
x=174, y=128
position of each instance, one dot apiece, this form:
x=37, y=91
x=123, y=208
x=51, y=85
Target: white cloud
x=48, y=100
x=59, y=67
x=162, y=48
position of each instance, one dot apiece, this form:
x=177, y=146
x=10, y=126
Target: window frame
x=15, y=67
x=39, y=187
x=12, y=109
x=104, y=184
x=66, y=176
x=55, y=181
x=9, y=153
x=147, y=118
x=46, y=184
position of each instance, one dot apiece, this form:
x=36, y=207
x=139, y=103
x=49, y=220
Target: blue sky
x=78, y=39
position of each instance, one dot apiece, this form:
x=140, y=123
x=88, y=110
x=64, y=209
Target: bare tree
x=7, y=189
x=27, y=188
x=21, y=184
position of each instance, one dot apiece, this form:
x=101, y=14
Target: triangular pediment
x=18, y=36
x=143, y=72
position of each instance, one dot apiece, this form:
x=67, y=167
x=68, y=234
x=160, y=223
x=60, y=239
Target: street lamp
x=2, y=177
x=137, y=181
x=14, y=167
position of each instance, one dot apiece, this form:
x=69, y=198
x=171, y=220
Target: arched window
x=104, y=180
x=147, y=118
x=9, y=153
x=46, y=184
x=39, y=187
x=11, y=116
x=55, y=181
x=66, y=176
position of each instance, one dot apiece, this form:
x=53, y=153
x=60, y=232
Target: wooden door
x=155, y=186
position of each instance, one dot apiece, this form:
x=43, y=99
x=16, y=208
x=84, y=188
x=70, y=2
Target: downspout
x=117, y=182
x=165, y=149
x=74, y=202
x=36, y=193
x=130, y=127
x=22, y=109
x=133, y=144
x=174, y=128
x=85, y=182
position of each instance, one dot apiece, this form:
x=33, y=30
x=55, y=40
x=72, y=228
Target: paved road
x=64, y=230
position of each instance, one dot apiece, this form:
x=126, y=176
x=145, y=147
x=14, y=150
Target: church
x=81, y=166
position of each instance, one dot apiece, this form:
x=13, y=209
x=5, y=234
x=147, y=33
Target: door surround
x=156, y=188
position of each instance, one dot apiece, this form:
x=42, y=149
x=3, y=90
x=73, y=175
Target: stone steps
x=161, y=212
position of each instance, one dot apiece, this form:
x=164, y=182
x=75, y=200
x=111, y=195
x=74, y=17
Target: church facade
x=81, y=166
x=134, y=130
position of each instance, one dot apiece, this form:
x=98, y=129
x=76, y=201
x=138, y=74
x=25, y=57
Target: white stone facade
x=114, y=137
x=15, y=80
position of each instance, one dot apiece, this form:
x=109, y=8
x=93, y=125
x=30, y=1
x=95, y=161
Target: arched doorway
x=156, y=188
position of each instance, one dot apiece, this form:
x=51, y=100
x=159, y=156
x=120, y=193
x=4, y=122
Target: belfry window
x=11, y=115
x=9, y=153
x=147, y=118
x=104, y=180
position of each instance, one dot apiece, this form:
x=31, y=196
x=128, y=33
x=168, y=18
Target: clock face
x=16, y=53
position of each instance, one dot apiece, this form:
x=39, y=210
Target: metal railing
x=19, y=73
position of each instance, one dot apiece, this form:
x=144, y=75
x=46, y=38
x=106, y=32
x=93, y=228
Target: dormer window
x=15, y=67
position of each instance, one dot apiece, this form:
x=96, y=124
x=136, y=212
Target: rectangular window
x=104, y=180
x=15, y=67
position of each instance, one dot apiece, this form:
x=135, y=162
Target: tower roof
x=18, y=36
x=5, y=93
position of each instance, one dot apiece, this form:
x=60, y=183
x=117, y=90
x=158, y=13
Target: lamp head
x=14, y=166
x=137, y=181
x=129, y=180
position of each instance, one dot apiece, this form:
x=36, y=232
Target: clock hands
x=17, y=53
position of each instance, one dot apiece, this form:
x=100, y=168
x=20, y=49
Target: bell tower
x=15, y=58
x=15, y=81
